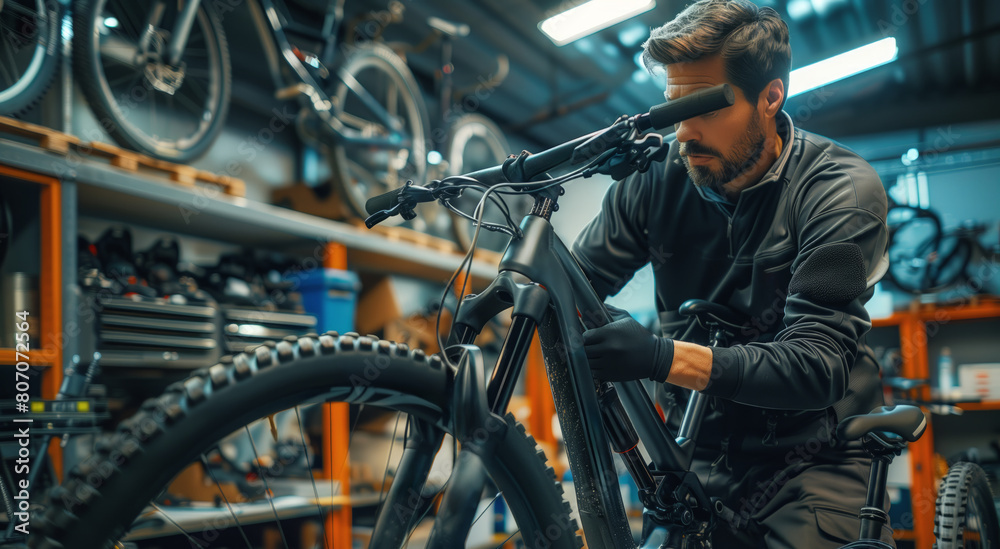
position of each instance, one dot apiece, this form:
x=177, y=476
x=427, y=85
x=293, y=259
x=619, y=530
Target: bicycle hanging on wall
x=157, y=76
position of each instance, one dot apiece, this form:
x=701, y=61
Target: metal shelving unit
x=107, y=192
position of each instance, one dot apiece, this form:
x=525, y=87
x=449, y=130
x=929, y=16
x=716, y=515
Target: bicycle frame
x=271, y=28
x=546, y=289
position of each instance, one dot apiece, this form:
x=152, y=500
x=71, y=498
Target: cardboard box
x=980, y=380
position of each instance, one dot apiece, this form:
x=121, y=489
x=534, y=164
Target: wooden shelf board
x=987, y=308
x=985, y=405
x=105, y=192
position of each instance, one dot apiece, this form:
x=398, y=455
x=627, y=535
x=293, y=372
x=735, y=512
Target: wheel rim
x=474, y=145
x=370, y=170
x=22, y=50
x=164, y=109
x=979, y=531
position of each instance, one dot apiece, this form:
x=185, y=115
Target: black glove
x=625, y=350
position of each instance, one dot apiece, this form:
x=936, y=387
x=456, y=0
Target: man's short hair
x=753, y=42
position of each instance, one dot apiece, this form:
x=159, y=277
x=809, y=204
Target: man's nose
x=687, y=130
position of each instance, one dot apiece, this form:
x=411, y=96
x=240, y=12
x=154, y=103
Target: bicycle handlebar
x=659, y=117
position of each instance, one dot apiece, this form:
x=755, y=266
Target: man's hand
x=624, y=350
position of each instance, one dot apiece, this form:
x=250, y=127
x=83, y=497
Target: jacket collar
x=786, y=128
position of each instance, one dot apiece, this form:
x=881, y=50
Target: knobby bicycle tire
x=29, y=51
x=171, y=113
x=363, y=171
x=965, y=515
x=105, y=493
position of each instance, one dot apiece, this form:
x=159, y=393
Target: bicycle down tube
x=530, y=268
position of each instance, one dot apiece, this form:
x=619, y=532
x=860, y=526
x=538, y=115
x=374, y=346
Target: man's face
x=721, y=147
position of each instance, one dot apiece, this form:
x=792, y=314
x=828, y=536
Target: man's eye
x=712, y=114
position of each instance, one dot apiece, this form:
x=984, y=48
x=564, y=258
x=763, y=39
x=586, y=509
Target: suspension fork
x=529, y=302
x=422, y=443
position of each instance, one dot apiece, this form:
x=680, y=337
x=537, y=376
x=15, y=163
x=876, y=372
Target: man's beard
x=744, y=156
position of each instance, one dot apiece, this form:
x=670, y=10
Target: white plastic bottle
x=946, y=375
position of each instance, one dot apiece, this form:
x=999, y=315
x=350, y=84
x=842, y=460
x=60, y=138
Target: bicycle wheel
x=474, y=143
x=107, y=492
x=375, y=91
x=29, y=51
x=146, y=102
x=965, y=514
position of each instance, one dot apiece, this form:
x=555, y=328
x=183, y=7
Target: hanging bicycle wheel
x=922, y=257
x=475, y=142
x=122, y=493
x=965, y=515
x=144, y=98
x=29, y=51
x=380, y=113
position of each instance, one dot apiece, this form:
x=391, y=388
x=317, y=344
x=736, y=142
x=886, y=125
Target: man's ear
x=771, y=97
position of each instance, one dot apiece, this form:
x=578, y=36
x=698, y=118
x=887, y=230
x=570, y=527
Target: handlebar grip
x=383, y=201
x=700, y=102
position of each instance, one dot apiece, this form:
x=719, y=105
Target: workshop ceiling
x=948, y=69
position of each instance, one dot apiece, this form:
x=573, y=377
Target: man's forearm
x=692, y=365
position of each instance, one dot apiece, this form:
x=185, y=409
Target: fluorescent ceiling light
x=842, y=66
x=590, y=17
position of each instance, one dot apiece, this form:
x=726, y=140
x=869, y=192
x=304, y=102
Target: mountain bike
x=440, y=500
x=157, y=76
x=925, y=258
x=462, y=139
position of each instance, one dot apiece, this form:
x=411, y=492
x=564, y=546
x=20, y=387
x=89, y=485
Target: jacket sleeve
x=614, y=245
x=809, y=361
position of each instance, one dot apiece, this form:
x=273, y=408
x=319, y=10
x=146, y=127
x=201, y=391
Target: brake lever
x=636, y=157
x=409, y=196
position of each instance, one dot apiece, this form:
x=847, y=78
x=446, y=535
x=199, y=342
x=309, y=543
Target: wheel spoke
x=8, y=76
x=120, y=51
x=125, y=77
x=180, y=528
x=191, y=105
x=229, y=506
x=504, y=542
x=13, y=63
x=388, y=460
x=335, y=470
x=196, y=90
x=130, y=21
x=267, y=489
x=197, y=52
x=202, y=73
x=312, y=478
